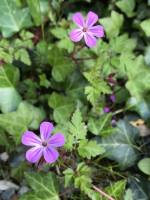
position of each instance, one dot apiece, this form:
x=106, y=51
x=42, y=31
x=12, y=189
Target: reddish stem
x=102, y=193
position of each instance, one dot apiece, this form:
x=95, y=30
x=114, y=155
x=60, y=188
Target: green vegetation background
x=44, y=76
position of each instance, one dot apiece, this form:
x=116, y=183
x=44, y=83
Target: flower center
x=84, y=29
x=44, y=143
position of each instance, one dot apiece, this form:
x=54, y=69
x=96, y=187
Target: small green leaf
x=23, y=56
x=116, y=189
x=34, y=6
x=144, y=165
x=63, y=107
x=145, y=25
x=128, y=195
x=101, y=126
x=10, y=98
x=69, y=175
x=59, y=32
x=62, y=66
x=127, y=7
x=147, y=56
x=113, y=24
x=77, y=127
x=88, y=149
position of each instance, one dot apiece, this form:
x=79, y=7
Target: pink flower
x=43, y=146
x=86, y=29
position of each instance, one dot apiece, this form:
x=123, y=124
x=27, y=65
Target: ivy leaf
x=112, y=24
x=140, y=188
x=122, y=44
x=147, y=56
x=15, y=123
x=62, y=66
x=142, y=107
x=13, y=19
x=138, y=77
x=145, y=25
x=127, y=7
x=144, y=165
x=10, y=98
x=77, y=127
x=59, y=32
x=44, y=186
x=88, y=149
x=120, y=145
x=63, y=107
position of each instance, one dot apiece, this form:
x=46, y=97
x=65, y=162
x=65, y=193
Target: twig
x=102, y=193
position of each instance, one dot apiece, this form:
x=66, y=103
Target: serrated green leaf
x=23, y=56
x=116, y=190
x=69, y=175
x=77, y=127
x=101, y=126
x=88, y=149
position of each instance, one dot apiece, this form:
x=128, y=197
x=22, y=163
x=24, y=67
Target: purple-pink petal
x=106, y=109
x=78, y=19
x=97, y=31
x=45, y=130
x=112, y=98
x=92, y=18
x=34, y=154
x=50, y=154
x=90, y=40
x=76, y=35
x=30, y=139
x=57, y=140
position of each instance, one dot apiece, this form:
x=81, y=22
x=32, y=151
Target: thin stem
x=102, y=193
x=42, y=24
x=90, y=58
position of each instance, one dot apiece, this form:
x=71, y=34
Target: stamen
x=84, y=29
x=44, y=143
